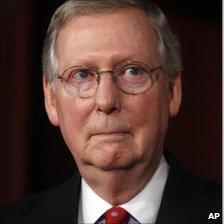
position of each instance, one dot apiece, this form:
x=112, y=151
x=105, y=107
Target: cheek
x=151, y=121
x=150, y=111
x=73, y=116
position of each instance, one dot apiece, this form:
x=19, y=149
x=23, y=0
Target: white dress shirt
x=143, y=207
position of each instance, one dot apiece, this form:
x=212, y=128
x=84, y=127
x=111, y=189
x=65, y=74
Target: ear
x=175, y=95
x=49, y=100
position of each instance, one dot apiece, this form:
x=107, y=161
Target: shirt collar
x=143, y=207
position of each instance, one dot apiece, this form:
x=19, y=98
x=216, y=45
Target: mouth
x=111, y=135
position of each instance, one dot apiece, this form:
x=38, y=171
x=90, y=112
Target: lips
x=110, y=127
x=110, y=133
x=110, y=136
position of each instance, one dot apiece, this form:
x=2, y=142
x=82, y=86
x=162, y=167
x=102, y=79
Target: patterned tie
x=116, y=215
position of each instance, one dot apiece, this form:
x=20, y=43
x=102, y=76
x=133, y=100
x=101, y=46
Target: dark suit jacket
x=186, y=199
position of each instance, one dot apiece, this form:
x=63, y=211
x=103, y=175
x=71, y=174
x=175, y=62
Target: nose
x=107, y=95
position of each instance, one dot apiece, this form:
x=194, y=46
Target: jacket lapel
x=184, y=200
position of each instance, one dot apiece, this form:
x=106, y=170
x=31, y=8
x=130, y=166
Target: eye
x=134, y=71
x=81, y=74
x=77, y=76
x=133, y=75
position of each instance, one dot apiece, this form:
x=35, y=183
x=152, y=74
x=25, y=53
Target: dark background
x=33, y=153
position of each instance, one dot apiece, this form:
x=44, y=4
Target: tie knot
x=116, y=215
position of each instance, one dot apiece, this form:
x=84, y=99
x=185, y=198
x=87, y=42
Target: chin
x=114, y=166
x=114, y=160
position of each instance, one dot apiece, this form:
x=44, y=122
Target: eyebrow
x=115, y=61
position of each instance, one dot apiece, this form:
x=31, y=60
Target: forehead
x=116, y=35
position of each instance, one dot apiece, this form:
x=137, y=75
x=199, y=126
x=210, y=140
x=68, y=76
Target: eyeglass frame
x=114, y=77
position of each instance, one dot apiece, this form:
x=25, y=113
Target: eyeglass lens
x=131, y=77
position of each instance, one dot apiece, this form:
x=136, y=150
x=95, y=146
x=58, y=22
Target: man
x=112, y=79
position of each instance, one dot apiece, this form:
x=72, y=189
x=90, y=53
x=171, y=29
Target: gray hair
x=167, y=44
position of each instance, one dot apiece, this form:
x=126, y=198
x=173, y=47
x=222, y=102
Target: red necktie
x=116, y=215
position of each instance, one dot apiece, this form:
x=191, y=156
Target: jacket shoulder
x=188, y=198
x=20, y=210
x=197, y=186
x=214, y=194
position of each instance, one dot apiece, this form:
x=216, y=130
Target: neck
x=119, y=186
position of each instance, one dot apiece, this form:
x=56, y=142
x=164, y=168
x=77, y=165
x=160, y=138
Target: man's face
x=112, y=129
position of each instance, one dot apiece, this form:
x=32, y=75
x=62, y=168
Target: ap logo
x=213, y=215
